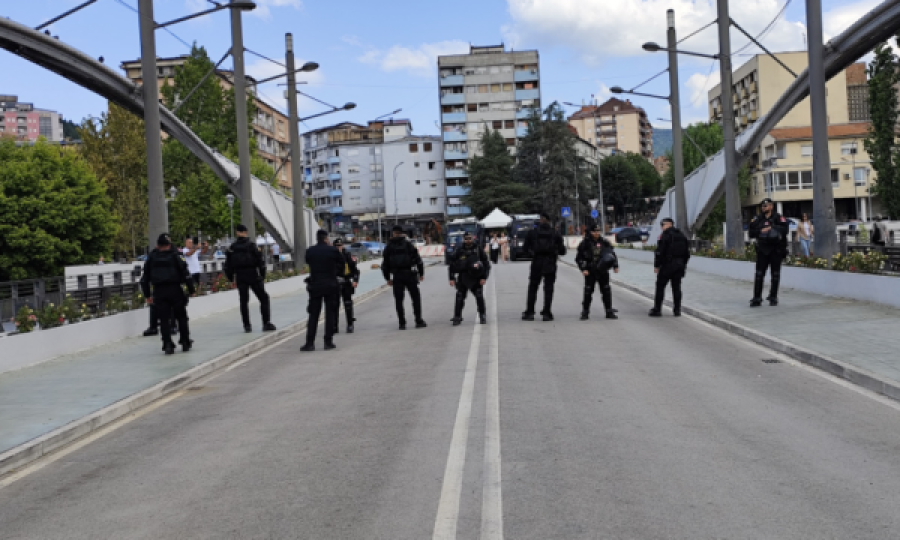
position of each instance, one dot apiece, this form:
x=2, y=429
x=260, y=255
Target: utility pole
x=734, y=240
x=299, y=197
x=823, y=192
x=681, y=219
x=600, y=178
x=243, y=136
x=156, y=203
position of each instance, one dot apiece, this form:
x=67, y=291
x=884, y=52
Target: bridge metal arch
x=274, y=209
x=706, y=185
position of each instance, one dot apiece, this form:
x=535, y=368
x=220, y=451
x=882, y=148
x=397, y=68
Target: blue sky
x=382, y=55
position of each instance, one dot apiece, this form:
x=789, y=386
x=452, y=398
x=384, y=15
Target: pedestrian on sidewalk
x=673, y=251
x=322, y=285
x=245, y=266
x=166, y=271
x=806, y=231
x=153, y=329
x=469, y=270
x=348, y=278
x=403, y=269
x=504, y=247
x=880, y=233
x=770, y=229
x=495, y=248
x=192, y=250
x=595, y=258
x=546, y=245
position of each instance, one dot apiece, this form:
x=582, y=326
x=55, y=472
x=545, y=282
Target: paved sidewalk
x=860, y=336
x=36, y=400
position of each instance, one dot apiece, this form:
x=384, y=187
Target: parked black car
x=629, y=234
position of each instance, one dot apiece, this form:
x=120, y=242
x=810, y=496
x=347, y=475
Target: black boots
x=482, y=318
x=527, y=315
x=546, y=316
x=268, y=327
x=309, y=347
x=585, y=315
x=329, y=345
x=773, y=292
x=458, y=309
x=611, y=314
x=756, y=301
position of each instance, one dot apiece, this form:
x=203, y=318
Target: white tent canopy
x=496, y=219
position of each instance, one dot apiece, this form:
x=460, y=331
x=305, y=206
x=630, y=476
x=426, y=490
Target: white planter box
x=25, y=350
x=863, y=287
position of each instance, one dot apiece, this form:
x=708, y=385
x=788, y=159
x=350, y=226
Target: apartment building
x=26, y=123
x=488, y=88
x=270, y=126
x=414, y=178
x=782, y=165
x=615, y=125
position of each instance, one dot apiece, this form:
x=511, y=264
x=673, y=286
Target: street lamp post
x=395, y=191
x=599, y=170
x=230, y=199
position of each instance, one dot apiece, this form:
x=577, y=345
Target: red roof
x=835, y=131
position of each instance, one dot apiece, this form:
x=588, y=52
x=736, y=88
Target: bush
x=25, y=320
x=51, y=316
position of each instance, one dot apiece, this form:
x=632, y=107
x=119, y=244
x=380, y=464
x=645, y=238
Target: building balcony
x=308, y=179
x=453, y=99
x=454, y=136
x=452, y=80
x=458, y=210
x=336, y=210
x=526, y=75
x=455, y=155
x=456, y=173
x=334, y=176
x=334, y=160
x=453, y=118
x=533, y=93
x=335, y=193
x=525, y=113
x=457, y=191
x=521, y=132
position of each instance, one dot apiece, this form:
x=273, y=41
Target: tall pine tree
x=491, y=181
x=881, y=141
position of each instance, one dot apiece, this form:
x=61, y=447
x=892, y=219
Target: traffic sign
x=566, y=211
x=593, y=202
x=594, y=214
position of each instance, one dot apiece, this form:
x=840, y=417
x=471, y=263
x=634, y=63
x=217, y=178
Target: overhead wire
x=765, y=30
x=695, y=32
x=171, y=33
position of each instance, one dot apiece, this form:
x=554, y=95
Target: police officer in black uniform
x=469, y=270
x=167, y=271
x=545, y=245
x=403, y=269
x=348, y=279
x=670, y=263
x=322, y=285
x=244, y=264
x=595, y=258
x=770, y=230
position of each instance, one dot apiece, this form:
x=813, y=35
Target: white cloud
x=698, y=86
x=421, y=60
x=839, y=19
x=263, y=7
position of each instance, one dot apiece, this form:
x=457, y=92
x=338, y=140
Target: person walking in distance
x=806, y=231
x=245, y=266
x=495, y=248
x=504, y=247
x=348, y=278
x=166, y=271
x=880, y=234
x=546, y=245
x=191, y=251
x=595, y=258
x=469, y=270
x=403, y=269
x=322, y=284
x=670, y=263
x=770, y=230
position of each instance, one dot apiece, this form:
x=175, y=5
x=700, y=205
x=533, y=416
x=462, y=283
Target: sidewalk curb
x=858, y=376
x=30, y=451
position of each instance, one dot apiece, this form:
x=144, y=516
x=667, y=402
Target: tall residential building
x=615, y=125
x=26, y=123
x=782, y=166
x=270, y=126
x=488, y=88
x=349, y=174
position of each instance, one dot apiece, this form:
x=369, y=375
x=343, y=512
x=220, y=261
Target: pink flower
x=62, y=319
x=32, y=318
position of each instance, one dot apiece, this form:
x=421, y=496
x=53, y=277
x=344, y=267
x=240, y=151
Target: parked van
x=517, y=230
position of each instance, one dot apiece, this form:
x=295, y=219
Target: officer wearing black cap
x=673, y=251
x=244, y=265
x=545, y=245
x=322, y=284
x=770, y=229
x=469, y=270
x=403, y=269
x=153, y=329
x=167, y=271
x=348, y=279
x=595, y=258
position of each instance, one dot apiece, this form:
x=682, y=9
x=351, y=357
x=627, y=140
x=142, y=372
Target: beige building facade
x=616, y=125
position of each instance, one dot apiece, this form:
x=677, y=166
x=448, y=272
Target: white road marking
x=492, y=494
x=448, y=507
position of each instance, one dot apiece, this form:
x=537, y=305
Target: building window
x=510, y=142
x=835, y=178
x=413, y=148
x=375, y=167
x=509, y=124
x=497, y=124
x=426, y=147
x=484, y=107
x=377, y=183
x=418, y=182
x=433, y=183
x=353, y=184
x=482, y=89
x=848, y=149
x=418, y=200
x=377, y=200
x=472, y=107
x=431, y=165
x=416, y=165
x=353, y=169
x=806, y=150
x=781, y=151
x=433, y=201
x=507, y=87
x=859, y=176
x=495, y=88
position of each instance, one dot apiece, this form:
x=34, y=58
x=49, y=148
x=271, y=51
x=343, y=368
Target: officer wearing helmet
x=469, y=270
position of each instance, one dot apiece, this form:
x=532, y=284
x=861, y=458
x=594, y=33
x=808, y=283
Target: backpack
x=680, y=248
x=400, y=258
x=544, y=244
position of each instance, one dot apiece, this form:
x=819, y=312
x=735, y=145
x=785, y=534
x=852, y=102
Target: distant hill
x=662, y=141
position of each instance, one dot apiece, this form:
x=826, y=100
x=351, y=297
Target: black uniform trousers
x=322, y=292
x=345, y=296
x=407, y=281
x=154, y=319
x=171, y=303
x=765, y=260
x=597, y=278
x=256, y=285
x=463, y=286
x=663, y=278
x=534, y=282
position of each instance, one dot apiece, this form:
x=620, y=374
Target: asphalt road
x=635, y=428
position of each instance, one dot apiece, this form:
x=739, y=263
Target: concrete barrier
x=431, y=251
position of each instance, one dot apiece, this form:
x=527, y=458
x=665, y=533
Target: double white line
x=492, y=496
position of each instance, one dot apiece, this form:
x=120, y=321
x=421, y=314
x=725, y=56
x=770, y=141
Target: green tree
x=621, y=186
x=53, y=211
x=881, y=140
x=491, y=181
x=115, y=150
